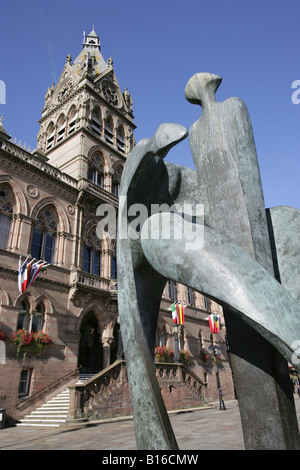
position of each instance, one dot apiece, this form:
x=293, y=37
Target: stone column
x=107, y=339
x=74, y=410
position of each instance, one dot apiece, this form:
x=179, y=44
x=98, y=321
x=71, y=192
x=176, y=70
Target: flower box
x=26, y=341
x=164, y=354
x=184, y=356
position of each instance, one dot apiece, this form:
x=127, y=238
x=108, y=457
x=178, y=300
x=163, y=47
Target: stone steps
x=54, y=413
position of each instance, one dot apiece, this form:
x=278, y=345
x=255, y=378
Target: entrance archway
x=90, y=357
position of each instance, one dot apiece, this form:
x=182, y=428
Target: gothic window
x=207, y=303
x=120, y=139
x=162, y=341
x=191, y=296
x=61, y=129
x=96, y=121
x=23, y=317
x=33, y=323
x=96, y=169
x=44, y=235
x=113, y=270
x=72, y=120
x=50, y=136
x=109, y=130
x=172, y=286
x=116, y=180
x=6, y=210
x=92, y=255
x=37, y=319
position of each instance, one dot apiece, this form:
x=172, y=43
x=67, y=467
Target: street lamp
x=216, y=352
x=120, y=352
x=176, y=351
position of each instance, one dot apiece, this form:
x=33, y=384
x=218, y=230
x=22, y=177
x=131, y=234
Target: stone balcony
x=84, y=280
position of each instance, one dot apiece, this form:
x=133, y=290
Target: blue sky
x=156, y=47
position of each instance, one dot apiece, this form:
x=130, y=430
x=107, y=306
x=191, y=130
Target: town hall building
x=48, y=210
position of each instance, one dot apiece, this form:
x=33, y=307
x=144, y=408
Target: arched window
x=50, y=136
x=61, y=128
x=97, y=121
x=116, y=180
x=44, y=235
x=207, y=303
x=38, y=319
x=7, y=202
x=72, y=120
x=96, y=169
x=191, y=296
x=163, y=337
x=92, y=254
x=34, y=322
x=172, y=286
x=23, y=317
x=109, y=130
x=121, y=139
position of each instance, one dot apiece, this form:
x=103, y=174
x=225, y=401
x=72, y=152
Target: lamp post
x=120, y=352
x=216, y=352
x=176, y=351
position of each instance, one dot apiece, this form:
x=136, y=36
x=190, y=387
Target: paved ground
x=207, y=429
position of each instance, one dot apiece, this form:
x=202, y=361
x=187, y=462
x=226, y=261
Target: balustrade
x=84, y=396
x=95, y=282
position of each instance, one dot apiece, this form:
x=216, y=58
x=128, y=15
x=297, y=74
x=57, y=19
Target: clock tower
x=86, y=128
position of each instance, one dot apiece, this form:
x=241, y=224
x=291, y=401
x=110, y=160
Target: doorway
x=90, y=357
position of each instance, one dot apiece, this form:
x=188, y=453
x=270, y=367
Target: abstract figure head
x=201, y=88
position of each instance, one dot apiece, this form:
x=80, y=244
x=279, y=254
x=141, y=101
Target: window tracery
x=96, y=169
x=7, y=202
x=116, y=180
x=92, y=254
x=45, y=234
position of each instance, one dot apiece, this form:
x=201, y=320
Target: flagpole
x=178, y=314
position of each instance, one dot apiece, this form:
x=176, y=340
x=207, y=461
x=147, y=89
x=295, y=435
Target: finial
x=1, y=119
x=69, y=58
